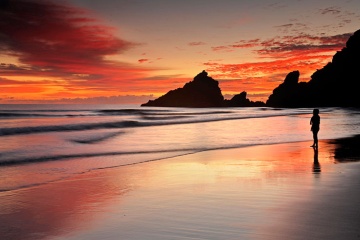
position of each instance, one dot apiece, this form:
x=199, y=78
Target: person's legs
x=314, y=139
x=315, y=136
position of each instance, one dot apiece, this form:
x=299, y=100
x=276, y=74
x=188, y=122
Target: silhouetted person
x=315, y=127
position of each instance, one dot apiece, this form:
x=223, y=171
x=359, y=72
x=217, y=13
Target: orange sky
x=131, y=51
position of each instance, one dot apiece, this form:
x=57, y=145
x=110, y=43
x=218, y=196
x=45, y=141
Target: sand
x=282, y=191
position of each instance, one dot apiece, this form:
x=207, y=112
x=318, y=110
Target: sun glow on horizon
x=83, y=51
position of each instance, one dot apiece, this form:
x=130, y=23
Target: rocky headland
x=335, y=85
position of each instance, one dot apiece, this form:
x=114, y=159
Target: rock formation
x=240, y=100
x=203, y=91
x=289, y=93
x=335, y=85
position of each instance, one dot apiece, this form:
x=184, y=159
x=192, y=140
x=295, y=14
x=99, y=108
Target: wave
x=29, y=160
x=108, y=112
x=41, y=114
x=54, y=158
x=96, y=139
x=130, y=111
x=64, y=128
x=38, y=159
x=134, y=123
x=22, y=115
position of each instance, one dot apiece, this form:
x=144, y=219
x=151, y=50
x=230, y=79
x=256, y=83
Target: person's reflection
x=316, y=165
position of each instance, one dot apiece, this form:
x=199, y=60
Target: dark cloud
x=343, y=17
x=52, y=36
x=143, y=60
x=5, y=66
x=330, y=10
x=146, y=60
x=196, y=43
x=290, y=44
x=292, y=28
x=302, y=44
x=239, y=44
x=276, y=5
x=164, y=77
x=4, y=81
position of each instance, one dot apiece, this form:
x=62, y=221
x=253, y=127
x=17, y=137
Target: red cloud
x=260, y=78
x=240, y=44
x=244, y=70
x=143, y=60
x=196, y=43
x=302, y=45
x=287, y=46
x=287, y=53
x=57, y=40
x=48, y=34
x=330, y=10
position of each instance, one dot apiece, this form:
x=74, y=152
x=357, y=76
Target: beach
x=275, y=191
x=179, y=120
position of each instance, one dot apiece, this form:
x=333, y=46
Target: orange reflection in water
x=230, y=191
x=57, y=208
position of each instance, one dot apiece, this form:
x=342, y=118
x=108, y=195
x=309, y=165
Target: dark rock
x=203, y=91
x=335, y=85
x=286, y=93
x=240, y=100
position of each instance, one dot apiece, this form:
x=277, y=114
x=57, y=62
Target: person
x=315, y=127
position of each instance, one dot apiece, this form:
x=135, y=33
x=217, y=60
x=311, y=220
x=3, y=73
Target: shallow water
x=50, y=143
x=259, y=192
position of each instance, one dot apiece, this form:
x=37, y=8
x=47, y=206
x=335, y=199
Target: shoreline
x=274, y=191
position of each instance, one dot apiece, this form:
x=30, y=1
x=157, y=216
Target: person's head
x=316, y=111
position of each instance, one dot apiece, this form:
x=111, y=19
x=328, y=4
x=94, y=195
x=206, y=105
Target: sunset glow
x=129, y=52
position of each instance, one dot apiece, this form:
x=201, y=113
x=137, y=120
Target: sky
x=130, y=51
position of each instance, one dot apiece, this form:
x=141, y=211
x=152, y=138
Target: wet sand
x=282, y=191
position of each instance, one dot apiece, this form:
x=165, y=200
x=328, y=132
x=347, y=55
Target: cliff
x=335, y=85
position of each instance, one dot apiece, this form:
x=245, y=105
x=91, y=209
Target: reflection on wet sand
x=57, y=208
x=240, y=193
x=316, y=165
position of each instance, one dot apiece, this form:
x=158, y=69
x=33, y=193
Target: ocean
x=48, y=143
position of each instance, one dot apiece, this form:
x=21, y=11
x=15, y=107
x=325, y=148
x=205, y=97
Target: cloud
x=237, y=45
x=276, y=5
x=53, y=39
x=196, y=43
x=147, y=60
x=294, y=28
x=263, y=76
x=46, y=34
x=126, y=99
x=302, y=44
x=5, y=66
x=289, y=45
x=143, y=60
x=265, y=68
x=277, y=57
x=341, y=16
x=330, y=10
x=4, y=81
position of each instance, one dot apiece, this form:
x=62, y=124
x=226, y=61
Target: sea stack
x=202, y=92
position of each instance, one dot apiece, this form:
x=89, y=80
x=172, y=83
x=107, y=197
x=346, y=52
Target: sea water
x=46, y=143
